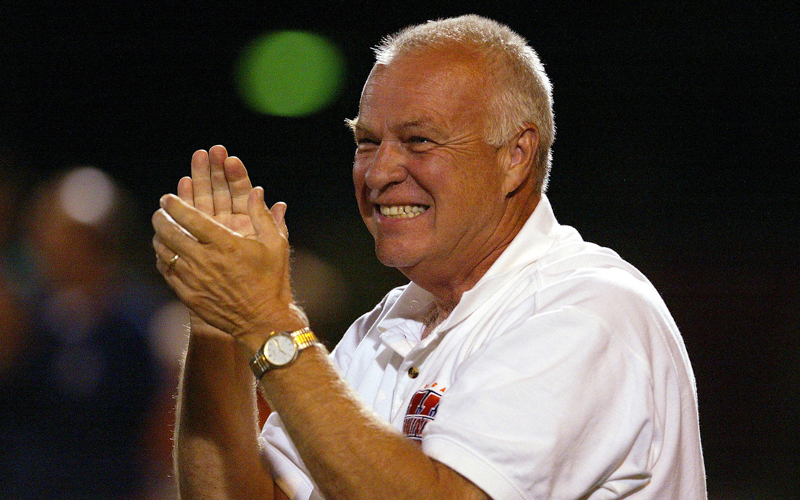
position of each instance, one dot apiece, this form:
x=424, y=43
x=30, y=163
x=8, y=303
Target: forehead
x=435, y=84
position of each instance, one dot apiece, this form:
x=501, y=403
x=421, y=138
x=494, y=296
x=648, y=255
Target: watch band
x=302, y=338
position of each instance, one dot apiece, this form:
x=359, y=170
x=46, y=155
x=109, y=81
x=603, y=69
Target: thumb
x=263, y=221
x=278, y=213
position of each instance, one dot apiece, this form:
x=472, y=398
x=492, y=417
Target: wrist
x=198, y=327
x=281, y=350
x=290, y=320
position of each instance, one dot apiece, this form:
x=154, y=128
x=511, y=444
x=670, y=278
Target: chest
x=403, y=381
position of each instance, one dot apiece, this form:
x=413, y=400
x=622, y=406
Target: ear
x=521, y=154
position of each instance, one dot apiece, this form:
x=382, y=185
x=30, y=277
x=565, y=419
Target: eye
x=365, y=143
x=419, y=144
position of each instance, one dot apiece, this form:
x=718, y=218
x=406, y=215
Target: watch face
x=280, y=349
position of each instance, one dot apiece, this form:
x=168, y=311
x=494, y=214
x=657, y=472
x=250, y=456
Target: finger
x=186, y=190
x=279, y=214
x=219, y=183
x=170, y=238
x=263, y=219
x=166, y=259
x=181, y=226
x=201, y=183
x=163, y=252
x=238, y=183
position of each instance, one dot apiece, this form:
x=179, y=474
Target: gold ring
x=172, y=261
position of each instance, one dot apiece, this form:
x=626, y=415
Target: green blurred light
x=290, y=73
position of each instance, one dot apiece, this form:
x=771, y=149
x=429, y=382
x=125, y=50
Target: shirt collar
x=401, y=326
x=538, y=235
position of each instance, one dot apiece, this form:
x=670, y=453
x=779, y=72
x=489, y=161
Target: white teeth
x=402, y=211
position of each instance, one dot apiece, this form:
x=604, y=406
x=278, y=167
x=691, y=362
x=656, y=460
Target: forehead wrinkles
x=434, y=85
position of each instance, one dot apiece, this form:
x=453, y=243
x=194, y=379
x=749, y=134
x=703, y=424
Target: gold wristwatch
x=280, y=350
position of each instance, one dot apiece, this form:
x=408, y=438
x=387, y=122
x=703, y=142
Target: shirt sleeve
x=556, y=407
x=285, y=464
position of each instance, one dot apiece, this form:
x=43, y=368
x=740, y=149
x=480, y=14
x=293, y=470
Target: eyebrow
x=428, y=126
x=354, y=126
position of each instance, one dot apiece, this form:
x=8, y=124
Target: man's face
x=429, y=187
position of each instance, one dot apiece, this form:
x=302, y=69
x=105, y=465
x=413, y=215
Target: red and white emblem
x=421, y=410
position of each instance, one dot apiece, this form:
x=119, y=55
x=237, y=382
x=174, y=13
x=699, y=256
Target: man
x=520, y=362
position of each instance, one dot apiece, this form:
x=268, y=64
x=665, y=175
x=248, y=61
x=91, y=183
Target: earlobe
x=522, y=152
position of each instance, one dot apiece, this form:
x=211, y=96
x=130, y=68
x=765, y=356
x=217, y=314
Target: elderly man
x=520, y=362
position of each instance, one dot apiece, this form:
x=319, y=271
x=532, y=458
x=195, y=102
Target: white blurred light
x=87, y=195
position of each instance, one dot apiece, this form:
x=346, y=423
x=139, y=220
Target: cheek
x=477, y=192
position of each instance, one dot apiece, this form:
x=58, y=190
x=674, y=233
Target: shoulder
x=589, y=275
x=582, y=290
x=614, y=303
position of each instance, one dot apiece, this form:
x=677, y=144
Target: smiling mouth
x=402, y=211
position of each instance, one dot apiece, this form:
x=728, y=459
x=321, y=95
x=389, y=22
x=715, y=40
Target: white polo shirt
x=560, y=375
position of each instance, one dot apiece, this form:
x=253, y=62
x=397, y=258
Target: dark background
x=676, y=145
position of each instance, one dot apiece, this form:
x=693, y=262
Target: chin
x=394, y=256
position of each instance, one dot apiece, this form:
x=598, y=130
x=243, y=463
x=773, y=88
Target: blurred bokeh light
x=290, y=73
x=87, y=195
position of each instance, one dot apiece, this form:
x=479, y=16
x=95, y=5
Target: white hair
x=519, y=91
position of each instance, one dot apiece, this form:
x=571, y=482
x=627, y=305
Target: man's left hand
x=235, y=283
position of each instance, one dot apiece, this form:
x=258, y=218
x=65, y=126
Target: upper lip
x=401, y=204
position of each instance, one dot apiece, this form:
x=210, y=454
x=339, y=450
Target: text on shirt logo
x=421, y=410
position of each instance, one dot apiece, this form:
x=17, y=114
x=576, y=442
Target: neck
x=447, y=288
x=433, y=319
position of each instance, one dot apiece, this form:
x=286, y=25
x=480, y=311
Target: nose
x=388, y=166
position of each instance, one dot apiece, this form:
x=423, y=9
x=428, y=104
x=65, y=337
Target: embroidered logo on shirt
x=421, y=410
